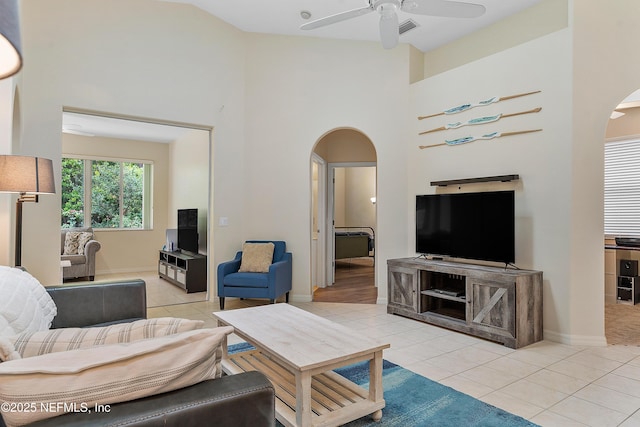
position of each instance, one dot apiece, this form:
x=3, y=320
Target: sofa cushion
x=75, y=241
x=104, y=375
x=247, y=280
x=74, y=259
x=256, y=257
x=36, y=343
x=25, y=305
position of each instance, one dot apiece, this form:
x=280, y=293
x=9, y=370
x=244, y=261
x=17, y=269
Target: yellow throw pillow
x=55, y=383
x=256, y=257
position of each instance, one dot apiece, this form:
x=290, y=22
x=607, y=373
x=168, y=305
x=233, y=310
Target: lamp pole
x=18, y=253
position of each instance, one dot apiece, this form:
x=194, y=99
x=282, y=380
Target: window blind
x=622, y=188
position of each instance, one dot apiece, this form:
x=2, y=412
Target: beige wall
x=542, y=159
x=627, y=125
x=271, y=98
x=543, y=18
x=361, y=186
x=192, y=74
x=339, y=198
x=603, y=74
x=299, y=90
x=253, y=89
x=353, y=189
x=345, y=145
x=9, y=130
x=189, y=180
x=128, y=250
x=560, y=195
x=354, y=186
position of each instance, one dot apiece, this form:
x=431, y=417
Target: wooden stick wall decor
x=460, y=141
x=480, y=121
x=465, y=107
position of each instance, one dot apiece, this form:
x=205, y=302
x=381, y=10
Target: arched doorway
x=344, y=223
x=622, y=213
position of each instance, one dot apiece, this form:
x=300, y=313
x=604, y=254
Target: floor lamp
x=29, y=177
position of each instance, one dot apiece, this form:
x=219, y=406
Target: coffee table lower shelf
x=334, y=399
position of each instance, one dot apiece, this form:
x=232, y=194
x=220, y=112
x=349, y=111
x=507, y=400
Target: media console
x=188, y=271
x=502, y=305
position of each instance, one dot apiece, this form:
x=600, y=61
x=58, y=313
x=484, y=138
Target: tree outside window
x=117, y=197
x=72, y=193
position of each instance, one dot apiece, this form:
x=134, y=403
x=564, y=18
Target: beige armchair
x=77, y=245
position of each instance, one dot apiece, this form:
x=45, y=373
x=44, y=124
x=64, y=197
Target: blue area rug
x=413, y=400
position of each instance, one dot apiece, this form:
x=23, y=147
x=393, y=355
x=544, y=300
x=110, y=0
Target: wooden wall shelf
x=498, y=178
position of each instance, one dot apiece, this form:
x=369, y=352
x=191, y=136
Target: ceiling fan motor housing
x=386, y=7
x=388, y=10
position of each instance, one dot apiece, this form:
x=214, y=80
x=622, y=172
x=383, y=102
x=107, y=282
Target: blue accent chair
x=270, y=285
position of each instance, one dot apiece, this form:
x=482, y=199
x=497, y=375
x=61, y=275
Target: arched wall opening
x=343, y=188
x=621, y=208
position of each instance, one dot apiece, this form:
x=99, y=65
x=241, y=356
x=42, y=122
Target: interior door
x=318, y=221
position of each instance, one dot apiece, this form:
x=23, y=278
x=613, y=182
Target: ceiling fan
x=388, y=9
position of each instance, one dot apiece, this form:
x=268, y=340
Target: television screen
x=478, y=226
x=188, y=230
x=188, y=218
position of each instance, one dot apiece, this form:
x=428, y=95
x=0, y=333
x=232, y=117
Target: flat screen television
x=477, y=226
x=188, y=230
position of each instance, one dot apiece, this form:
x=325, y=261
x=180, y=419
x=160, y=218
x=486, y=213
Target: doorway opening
x=622, y=213
x=343, y=263
x=180, y=177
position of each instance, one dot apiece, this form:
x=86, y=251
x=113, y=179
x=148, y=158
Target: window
x=622, y=188
x=105, y=193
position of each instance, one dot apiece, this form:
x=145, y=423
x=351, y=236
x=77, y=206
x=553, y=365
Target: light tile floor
x=159, y=292
x=548, y=383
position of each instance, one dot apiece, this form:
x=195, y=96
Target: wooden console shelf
x=502, y=305
x=498, y=178
x=188, y=271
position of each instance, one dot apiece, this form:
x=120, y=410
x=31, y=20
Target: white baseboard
x=584, y=340
x=300, y=298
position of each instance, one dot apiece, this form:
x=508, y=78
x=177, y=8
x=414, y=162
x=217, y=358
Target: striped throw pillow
x=36, y=343
x=108, y=374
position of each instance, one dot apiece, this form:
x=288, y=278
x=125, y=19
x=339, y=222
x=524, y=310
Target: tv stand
x=186, y=270
x=502, y=305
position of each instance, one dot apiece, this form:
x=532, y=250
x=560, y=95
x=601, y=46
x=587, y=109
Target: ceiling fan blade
x=389, y=33
x=338, y=17
x=444, y=8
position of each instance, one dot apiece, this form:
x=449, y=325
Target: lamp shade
x=10, y=46
x=25, y=174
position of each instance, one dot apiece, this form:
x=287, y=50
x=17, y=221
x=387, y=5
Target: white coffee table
x=297, y=351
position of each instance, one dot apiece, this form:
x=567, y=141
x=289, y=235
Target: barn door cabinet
x=502, y=305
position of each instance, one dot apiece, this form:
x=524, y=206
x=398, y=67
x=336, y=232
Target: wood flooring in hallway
x=354, y=283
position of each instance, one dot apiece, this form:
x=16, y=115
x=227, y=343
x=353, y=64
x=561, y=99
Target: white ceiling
x=283, y=17
x=93, y=125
